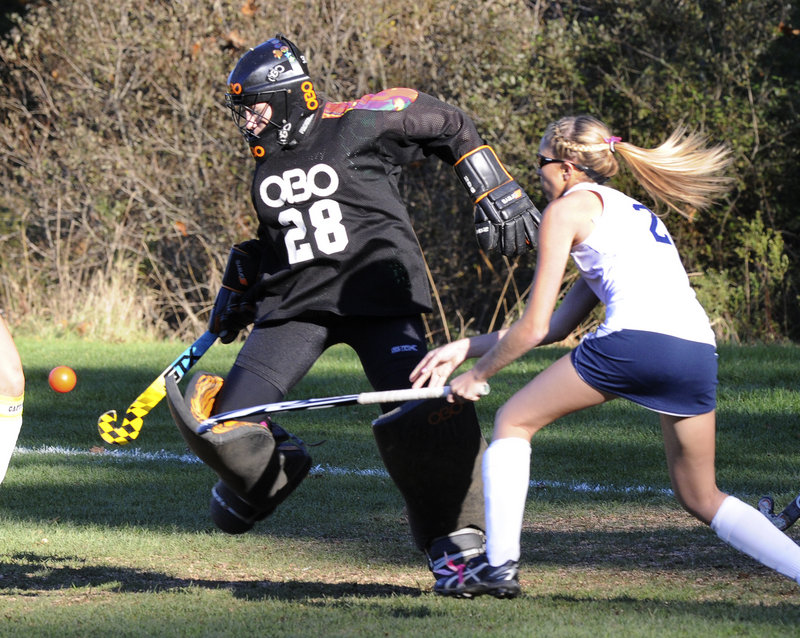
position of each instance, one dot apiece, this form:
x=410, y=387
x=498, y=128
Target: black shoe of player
x=479, y=577
x=456, y=548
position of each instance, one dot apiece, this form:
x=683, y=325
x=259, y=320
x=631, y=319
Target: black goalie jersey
x=331, y=211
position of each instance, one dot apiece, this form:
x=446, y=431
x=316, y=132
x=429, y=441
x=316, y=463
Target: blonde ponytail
x=681, y=170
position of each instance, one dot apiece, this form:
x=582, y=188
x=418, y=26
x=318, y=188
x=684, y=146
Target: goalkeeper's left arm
x=505, y=217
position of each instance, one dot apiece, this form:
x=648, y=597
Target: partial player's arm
x=575, y=307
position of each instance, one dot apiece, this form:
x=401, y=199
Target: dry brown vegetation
x=125, y=183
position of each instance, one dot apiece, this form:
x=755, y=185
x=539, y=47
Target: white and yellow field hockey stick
x=364, y=398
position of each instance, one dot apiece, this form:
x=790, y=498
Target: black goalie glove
x=235, y=307
x=505, y=217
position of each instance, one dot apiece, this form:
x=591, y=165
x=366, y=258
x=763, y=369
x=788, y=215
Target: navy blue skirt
x=659, y=372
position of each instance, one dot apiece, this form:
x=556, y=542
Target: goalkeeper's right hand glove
x=235, y=306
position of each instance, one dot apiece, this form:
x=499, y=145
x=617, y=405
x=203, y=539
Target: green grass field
x=102, y=541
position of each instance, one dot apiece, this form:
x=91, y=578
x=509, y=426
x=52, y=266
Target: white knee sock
x=749, y=531
x=506, y=473
x=10, y=424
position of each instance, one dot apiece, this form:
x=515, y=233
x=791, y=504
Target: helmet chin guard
x=276, y=73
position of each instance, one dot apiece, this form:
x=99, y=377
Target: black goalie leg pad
x=230, y=512
x=288, y=466
x=432, y=450
x=259, y=464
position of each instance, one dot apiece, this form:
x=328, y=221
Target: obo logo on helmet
x=275, y=73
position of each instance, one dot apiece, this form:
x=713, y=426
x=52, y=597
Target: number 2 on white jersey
x=663, y=239
x=330, y=235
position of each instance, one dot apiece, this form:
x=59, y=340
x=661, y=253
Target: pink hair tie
x=611, y=140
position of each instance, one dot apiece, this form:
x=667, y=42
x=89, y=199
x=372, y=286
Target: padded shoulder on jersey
x=389, y=100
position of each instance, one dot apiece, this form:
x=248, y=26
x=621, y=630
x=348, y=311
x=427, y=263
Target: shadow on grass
x=708, y=611
x=694, y=549
x=688, y=552
x=29, y=574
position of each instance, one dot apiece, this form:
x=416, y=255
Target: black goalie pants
x=276, y=357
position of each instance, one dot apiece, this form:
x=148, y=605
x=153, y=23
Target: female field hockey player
x=655, y=346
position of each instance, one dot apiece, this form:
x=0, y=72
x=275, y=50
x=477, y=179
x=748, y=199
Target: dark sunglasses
x=544, y=161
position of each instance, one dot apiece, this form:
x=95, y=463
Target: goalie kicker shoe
x=457, y=548
x=479, y=577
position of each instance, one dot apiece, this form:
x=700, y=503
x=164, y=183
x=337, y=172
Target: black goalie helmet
x=275, y=72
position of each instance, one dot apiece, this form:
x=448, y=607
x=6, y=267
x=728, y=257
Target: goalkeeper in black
x=336, y=261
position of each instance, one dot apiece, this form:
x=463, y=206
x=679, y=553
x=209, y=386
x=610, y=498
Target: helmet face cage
x=242, y=109
x=274, y=72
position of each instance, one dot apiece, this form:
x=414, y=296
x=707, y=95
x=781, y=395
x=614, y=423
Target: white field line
x=136, y=455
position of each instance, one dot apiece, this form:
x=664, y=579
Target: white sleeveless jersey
x=631, y=264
